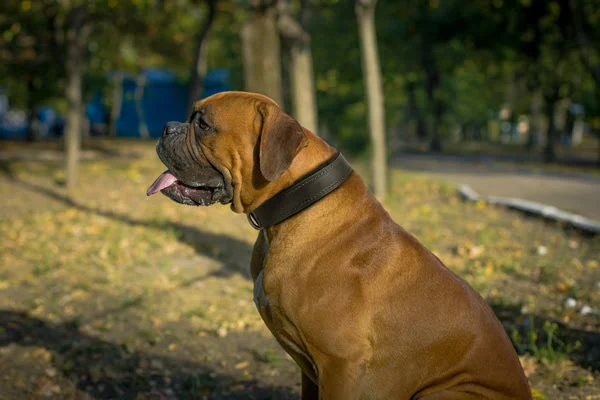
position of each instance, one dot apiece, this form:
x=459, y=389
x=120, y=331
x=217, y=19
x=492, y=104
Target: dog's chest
x=265, y=308
x=260, y=297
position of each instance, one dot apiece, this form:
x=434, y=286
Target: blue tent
x=155, y=97
x=215, y=81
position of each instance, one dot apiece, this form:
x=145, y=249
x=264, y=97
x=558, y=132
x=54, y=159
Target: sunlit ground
x=115, y=294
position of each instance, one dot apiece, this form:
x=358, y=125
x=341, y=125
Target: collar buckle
x=254, y=222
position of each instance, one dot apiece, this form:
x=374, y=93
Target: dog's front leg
x=341, y=380
x=310, y=391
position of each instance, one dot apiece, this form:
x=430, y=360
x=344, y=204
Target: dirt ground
x=112, y=295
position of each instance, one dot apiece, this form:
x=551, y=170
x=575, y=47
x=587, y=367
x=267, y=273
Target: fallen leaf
x=241, y=365
x=562, y=286
x=537, y=394
x=42, y=353
x=475, y=251
x=222, y=332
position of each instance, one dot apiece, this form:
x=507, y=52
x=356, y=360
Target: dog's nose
x=171, y=128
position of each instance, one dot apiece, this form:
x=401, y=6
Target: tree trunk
x=200, y=66
x=432, y=83
x=415, y=111
x=296, y=38
x=436, y=139
x=598, y=159
x=117, y=102
x=550, y=151
x=140, y=87
x=77, y=36
x=302, y=84
x=365, y=13
x=73, y=124
x=536, y=103
x=31, y=134
x=261, y=52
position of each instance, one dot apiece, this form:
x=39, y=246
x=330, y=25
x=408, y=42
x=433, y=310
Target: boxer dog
x=364, y=309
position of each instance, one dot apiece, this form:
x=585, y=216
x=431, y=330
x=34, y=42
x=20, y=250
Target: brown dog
x=364, y=309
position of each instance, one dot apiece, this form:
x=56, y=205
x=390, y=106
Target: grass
x=545, y=343
x=267, y=356
x=121, y=296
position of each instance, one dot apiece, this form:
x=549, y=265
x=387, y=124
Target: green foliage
x=338, y=76
x=224, y=44
x=545, y=344
x=126, y=36
x=449, y=59
x=470, y=58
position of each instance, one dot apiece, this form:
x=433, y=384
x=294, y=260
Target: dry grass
x=117, y=295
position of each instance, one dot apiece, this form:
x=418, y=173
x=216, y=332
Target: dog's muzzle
x=190, y=179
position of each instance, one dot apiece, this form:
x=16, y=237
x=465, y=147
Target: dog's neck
x=305, y=192
x=312, y=156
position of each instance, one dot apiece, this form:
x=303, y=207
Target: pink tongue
x=166, y=179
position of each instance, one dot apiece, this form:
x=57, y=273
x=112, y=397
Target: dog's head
x=231, y=148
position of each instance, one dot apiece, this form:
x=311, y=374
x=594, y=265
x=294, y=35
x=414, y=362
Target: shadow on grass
x=53, y=149
x=6, y=169
x=106, y=370
x=233, y=253
x=586, y=356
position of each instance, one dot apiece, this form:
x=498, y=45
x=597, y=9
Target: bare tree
x=78, y=31
x=71, y=23
x=260, y=50
x=365, y=14
x=200, y=63
x=432, y=84
x=296, y=39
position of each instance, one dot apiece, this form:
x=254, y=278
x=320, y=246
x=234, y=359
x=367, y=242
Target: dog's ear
x=281, y=139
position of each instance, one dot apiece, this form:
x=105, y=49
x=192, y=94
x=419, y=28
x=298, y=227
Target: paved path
x=579, y=194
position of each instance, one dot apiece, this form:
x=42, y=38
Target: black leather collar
x=302, y=194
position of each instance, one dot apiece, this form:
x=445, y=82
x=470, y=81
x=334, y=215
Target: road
x=577, y=193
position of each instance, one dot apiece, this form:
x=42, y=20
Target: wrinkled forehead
x=232, y=101
x=232, y=111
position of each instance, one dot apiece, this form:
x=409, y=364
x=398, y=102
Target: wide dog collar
x=302, y=194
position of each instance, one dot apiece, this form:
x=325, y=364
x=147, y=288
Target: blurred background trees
x=365, y=16
x=521, y=76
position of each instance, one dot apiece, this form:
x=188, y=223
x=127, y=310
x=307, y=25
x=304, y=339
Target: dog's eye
x=203, y=125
